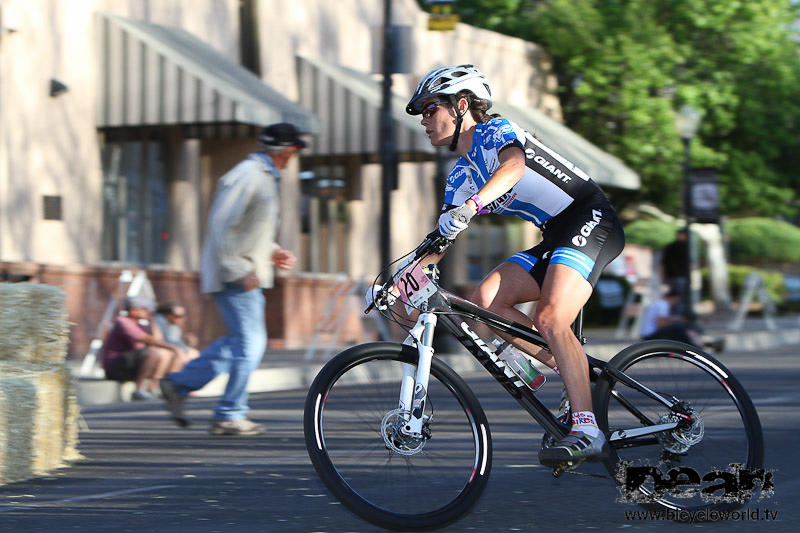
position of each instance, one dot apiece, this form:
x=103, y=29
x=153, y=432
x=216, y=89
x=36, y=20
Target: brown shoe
x=236, y=427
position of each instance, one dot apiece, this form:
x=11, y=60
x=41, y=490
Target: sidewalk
x=290, y=370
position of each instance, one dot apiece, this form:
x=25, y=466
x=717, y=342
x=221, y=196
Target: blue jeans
x=238, y=354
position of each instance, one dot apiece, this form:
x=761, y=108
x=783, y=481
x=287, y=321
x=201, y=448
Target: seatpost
x=577, y=327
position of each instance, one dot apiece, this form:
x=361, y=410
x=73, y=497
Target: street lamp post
x=687, y=122
x=388, y=144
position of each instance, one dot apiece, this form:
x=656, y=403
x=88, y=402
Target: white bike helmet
x=449, y=81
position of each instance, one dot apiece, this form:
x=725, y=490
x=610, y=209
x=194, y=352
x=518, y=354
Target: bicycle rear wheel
x=351, y=422
x=725, y=429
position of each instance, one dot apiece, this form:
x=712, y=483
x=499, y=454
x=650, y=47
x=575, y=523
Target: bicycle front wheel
x=724, y=431
x=390, y=479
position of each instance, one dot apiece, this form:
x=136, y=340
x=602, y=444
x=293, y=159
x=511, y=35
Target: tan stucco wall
x=49, y=146
x=349, y=33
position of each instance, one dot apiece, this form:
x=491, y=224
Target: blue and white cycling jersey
x=550, y=183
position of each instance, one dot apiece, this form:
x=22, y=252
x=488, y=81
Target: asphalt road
x=140, y=473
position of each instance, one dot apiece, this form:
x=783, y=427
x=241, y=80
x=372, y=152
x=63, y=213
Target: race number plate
x=415, y=288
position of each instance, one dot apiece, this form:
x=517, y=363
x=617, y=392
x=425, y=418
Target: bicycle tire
x=343, y=418
x=727, y=428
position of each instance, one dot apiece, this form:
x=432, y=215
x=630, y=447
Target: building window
x=248, y=36
x=135, y=217
x=323, y=217
x=52, y=207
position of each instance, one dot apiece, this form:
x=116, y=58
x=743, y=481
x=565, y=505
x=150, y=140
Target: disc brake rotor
x=395, y=438
x=680, y=439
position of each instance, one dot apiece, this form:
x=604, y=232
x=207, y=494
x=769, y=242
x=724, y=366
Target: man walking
x=238, y=254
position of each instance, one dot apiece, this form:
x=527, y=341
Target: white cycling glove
x=454, y=221
x=372, y=292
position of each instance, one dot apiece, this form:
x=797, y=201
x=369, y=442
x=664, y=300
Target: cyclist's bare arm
x=510, y=171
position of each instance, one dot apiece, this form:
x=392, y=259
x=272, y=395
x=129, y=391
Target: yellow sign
x=442, y=18
x=441, y=22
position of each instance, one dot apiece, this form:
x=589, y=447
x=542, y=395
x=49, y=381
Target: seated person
x=132, y=352
x=660, y=321
x=170, y=318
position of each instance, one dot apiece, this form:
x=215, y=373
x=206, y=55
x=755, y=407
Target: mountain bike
x=400, y=439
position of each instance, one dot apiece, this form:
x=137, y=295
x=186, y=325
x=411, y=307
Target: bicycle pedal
x=567, y=466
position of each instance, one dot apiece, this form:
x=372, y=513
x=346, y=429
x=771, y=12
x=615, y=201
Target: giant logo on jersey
x=586, y=229
x=547, y=165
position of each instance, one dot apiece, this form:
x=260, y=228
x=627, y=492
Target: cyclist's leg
x=580, y=248
x=504, y=287
x=563, y=294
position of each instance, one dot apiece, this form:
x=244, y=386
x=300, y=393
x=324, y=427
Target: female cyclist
x=505, y=170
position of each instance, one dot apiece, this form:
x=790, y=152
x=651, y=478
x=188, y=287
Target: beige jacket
x=240, y=235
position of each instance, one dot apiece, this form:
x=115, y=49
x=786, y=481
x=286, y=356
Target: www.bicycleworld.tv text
x=704, y=515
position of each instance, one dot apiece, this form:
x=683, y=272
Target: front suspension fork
x=414, y=388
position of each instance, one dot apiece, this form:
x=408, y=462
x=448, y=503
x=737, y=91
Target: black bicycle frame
x=450, y=309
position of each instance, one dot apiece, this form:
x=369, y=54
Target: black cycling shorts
x=584, y=238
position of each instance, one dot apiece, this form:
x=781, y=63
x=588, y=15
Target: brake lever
x=434, y=243
x=388, y=299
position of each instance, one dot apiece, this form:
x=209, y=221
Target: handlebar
x=434, y=243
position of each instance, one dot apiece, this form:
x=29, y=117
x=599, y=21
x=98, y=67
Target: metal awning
x=349, y=103
x=157, y=75
x=603, y=167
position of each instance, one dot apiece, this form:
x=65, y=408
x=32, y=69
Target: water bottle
x=520, y=365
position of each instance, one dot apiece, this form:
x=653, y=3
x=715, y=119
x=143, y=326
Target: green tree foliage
x=763, y=240
x=753, y=240
x=653, y=233
x=626, y=66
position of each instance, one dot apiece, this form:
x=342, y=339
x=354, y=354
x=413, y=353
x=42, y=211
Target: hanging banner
x=704, y=195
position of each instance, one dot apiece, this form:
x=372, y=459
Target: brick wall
x=295, y=306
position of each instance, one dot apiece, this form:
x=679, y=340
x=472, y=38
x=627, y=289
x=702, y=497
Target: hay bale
x=17, y=402
x=48, y=421
x=16, y=342
x=51, y=329
x=38, y=419
x=38, y=403
x=72, y=414
x=33, y=323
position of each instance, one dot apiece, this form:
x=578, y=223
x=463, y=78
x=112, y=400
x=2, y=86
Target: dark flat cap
x=282, y=134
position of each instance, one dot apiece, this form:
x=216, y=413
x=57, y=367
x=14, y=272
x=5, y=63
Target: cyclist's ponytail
x=478, y=107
